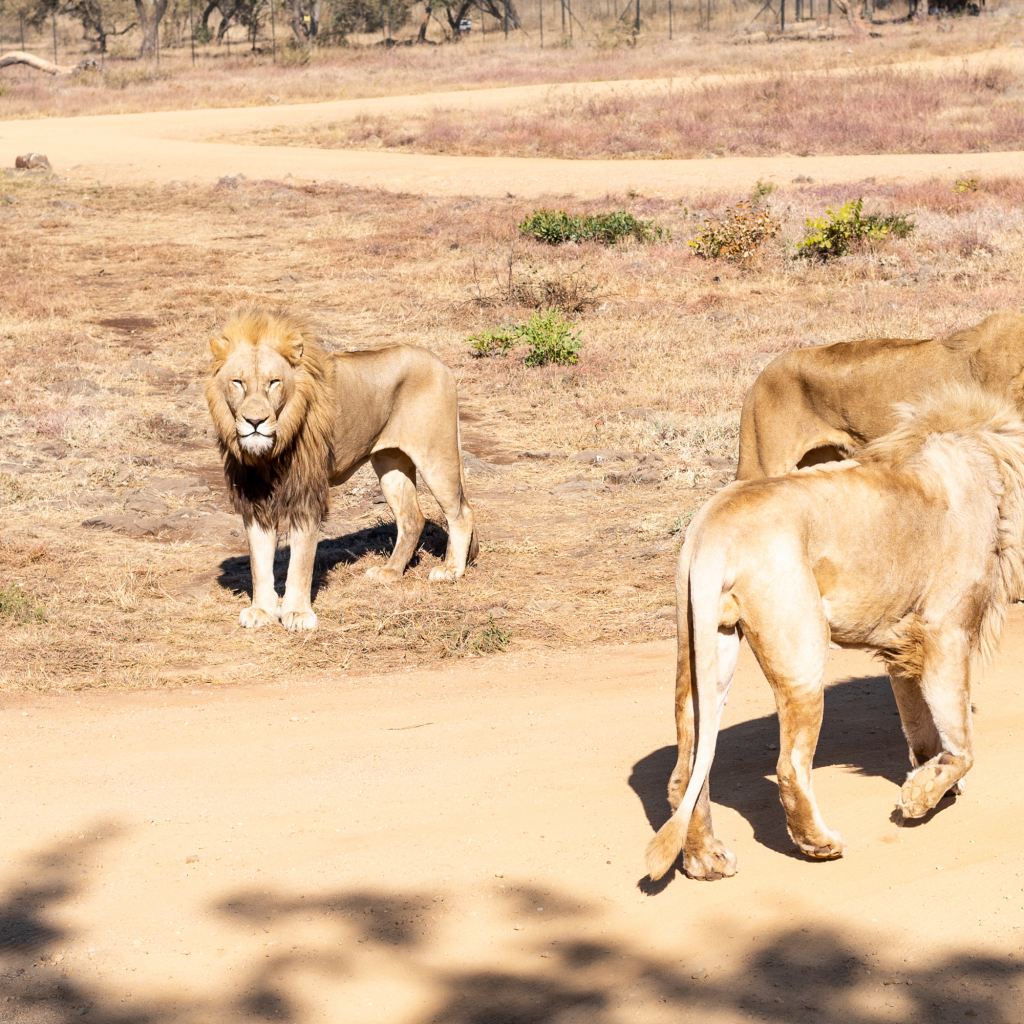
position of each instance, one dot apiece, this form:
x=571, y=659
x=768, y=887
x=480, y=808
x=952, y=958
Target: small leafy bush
x=741, y=236
x=837, y=233
x=557, y=227
x=550, y=336
x=491, y=639
x=16, y=607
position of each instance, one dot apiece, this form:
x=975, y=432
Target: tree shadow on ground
x=860, y=731
x=565, y=974
x=377, y=540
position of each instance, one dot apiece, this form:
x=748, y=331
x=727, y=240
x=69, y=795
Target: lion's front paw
x=254, y=617
x=382, y=574
x=443, y=574
x=925, y=787
x=711, y=861
x=298, y=621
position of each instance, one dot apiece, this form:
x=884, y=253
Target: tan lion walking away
x=294, y=421
x=824, y=403
x=914, y=551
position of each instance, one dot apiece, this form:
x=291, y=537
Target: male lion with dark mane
x=294, y=421
x=913, y=551
x=824, y=403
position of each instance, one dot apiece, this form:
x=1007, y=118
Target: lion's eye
x=238, y=384
x=274, y=384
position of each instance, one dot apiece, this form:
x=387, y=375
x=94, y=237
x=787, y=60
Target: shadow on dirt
x=367, y=938
x=860, y=730
x=378, y=540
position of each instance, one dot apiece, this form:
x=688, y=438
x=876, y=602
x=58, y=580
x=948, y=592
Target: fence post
x=782, y=15
x=506, y=20
x=53, y=23
x=636, y=24
x=192, y=30
x=21, y=16
x=540, y=8
x=670, y=19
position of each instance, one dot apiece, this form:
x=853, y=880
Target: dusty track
x=379, y=848
x=159, y=147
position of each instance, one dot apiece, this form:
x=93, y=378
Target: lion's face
x=256, y=382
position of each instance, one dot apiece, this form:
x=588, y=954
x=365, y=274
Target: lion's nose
x=255, y=420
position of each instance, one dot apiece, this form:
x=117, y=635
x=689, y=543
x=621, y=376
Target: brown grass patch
x=879, y=110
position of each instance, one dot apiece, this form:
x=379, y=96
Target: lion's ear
x=219, y=347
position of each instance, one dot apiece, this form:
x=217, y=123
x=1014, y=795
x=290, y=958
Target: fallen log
x=20, y=57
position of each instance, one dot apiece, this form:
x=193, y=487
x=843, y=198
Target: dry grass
x=603, y=52
x=879, y=110
x=671, y=343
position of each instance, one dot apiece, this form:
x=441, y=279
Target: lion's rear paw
x=253, y=617
x=297, y=622
x=382, y=574
x=827, y=848
x=714, y=860
x=924, y=788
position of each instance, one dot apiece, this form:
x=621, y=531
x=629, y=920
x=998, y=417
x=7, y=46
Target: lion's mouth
x=253, y=440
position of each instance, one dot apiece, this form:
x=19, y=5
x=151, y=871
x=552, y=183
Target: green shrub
x=744, y=232
x=761, y=190
x=836, y=234
x=16, y=607
x=550, y=336
x=557, y=227
x=491, y=639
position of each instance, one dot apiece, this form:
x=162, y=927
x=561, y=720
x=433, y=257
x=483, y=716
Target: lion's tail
x=703, y=602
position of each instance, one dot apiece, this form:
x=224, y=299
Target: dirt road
x=176, y=145
x=466, y=845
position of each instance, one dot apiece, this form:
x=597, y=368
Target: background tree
x=457, y=10
x=348, y=16
x=98, y=19
x=149, y=12
x=305, y=19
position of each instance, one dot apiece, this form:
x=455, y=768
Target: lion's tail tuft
x=663, y=849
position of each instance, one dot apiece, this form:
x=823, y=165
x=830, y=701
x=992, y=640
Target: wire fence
x=534, y=22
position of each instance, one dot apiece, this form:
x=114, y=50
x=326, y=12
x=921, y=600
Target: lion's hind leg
x=705, y=856
x=945, y=688
x=397, y=476
x=790, y=642
x=445, y=483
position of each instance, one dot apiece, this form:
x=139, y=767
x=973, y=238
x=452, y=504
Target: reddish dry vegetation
x=121, y=568
x=875, y=111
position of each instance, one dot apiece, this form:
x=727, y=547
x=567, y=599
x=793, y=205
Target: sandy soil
x=466, y=845
x=176, y=145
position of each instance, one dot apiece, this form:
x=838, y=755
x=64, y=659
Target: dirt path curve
x=174, y=145
x=465, y=845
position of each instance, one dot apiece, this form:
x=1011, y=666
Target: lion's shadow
x=861, y=730
x=236, y=576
